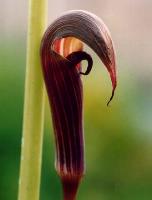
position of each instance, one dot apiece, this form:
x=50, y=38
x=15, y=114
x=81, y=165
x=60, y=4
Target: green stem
x=30, y=169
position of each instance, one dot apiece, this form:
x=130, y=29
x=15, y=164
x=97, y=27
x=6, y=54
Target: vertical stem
x=30, y=169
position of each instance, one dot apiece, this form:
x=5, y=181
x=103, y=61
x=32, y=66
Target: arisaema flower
x=61, y=54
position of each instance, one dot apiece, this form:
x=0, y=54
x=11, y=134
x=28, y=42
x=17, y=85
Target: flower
x=61, y=54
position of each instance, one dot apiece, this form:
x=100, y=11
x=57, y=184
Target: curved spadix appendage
x=61, y=54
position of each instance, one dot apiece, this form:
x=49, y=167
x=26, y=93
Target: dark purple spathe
x=64, y=87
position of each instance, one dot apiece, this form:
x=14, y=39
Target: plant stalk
x=33, y=117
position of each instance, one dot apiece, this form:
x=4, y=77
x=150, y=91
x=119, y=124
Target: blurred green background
x=118, y=138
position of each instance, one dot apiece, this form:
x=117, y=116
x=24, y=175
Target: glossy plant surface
x=61, y=53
